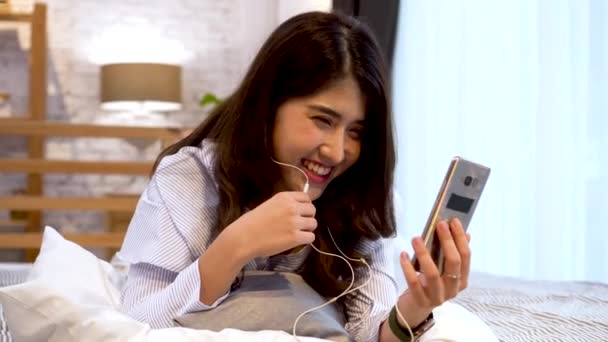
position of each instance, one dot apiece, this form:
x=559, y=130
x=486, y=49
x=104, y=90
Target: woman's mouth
x=317, y=173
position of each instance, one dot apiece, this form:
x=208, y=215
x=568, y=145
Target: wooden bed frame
x=37, y=202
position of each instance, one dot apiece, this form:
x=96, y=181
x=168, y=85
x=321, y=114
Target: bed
x=515, y=309
x=68, y=294
x=525, y=310
x=10, y=274
x=25, y=210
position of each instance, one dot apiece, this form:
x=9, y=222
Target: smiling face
x=319, y=134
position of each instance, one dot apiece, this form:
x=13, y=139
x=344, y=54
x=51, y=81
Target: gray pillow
x=272, y=301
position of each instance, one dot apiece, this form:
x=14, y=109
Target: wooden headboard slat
x=18, y=127
x=43, y=166
x=34, y=203
x=33, y=240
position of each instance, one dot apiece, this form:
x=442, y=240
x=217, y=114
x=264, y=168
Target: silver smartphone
x=457, y=198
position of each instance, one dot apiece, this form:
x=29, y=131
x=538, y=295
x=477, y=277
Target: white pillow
x=66, y=288
x=454, y=323
x=70, y=295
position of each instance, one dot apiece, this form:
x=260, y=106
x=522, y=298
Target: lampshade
x=141, y=86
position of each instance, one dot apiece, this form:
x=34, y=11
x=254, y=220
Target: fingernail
x=404, y=255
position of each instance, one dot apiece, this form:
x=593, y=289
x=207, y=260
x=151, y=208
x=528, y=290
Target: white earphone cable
x=344, y=257
x=348, y=290
x=306, y=185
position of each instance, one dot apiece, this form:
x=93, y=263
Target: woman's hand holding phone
x=430, y=288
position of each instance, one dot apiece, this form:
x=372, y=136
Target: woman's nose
x=333, y=148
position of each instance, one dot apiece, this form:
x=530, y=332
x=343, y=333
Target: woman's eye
x=323, y=120
x=355, y=133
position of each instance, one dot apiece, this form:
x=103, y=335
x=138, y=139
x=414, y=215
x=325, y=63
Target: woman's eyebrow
x=329, y=111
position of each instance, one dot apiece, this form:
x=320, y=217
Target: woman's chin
x=314, y=193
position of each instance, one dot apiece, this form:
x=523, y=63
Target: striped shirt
x=172, y=227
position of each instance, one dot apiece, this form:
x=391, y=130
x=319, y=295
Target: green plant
x=209, y=99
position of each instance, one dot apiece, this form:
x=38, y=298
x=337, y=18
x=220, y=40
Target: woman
x=222, y=200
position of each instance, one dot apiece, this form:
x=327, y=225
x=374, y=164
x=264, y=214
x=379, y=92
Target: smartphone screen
x=457, y=198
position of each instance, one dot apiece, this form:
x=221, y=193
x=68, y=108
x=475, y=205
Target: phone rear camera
x=468, y=180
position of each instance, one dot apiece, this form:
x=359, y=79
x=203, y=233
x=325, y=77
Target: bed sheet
x=527, y=310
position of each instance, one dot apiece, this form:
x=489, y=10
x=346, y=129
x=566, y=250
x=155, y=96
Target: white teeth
x=316, y=168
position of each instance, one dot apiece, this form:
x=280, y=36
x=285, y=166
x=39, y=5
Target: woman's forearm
x=219, y=266
x=386, y=335
x=413, y=317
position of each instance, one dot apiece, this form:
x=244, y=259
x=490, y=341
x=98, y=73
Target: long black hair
x=303, y=56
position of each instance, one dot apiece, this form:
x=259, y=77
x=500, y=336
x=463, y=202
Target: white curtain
x=522, y=87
